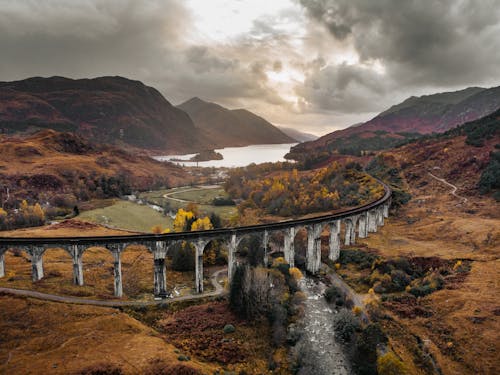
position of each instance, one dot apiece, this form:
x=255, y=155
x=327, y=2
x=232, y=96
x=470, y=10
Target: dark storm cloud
x=433, y=43
x=343, y=88
x=138, y=40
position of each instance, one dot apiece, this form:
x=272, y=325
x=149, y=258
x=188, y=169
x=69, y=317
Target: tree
x=38, y=212
x=156, y=229
x=201, y=224
x=183, y=257
x=389, y=364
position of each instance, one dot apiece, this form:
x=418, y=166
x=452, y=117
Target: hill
x=447, y=219
x=411, y=118
x=61, y=169
x=297, y=134
x=238, y=127
x=109, y=109
x=467, y=156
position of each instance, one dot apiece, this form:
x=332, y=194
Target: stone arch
x=58, y=266
x=300, y=246
x=137, y=260
x=15, y=263
x=99, y=267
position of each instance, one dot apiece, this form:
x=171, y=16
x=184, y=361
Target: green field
x=200, y=195
x=132, y=216
x=127, y=215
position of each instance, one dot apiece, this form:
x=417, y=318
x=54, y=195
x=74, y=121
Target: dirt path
x=453, y=187
x=219, y=290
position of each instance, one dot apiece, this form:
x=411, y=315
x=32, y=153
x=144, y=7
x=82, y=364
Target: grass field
x=132, y=216
x=180, y=197
x=127, y=215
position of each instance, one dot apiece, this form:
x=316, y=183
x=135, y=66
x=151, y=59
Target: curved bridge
x=357, y=221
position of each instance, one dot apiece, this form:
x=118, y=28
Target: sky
x=314, y=65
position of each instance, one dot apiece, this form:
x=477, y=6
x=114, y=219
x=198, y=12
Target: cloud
x=342, y=88
x=318, y=63
x=435, y=42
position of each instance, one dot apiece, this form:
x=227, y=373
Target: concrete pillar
x=372, y=221
x=76, y=253
x=36, y=254
x=117, y=267
x=353, y=230
x=386, y=210
x=116, y=250
x=380, y=216
x=334, y=252
x=160, y=278
x=313, y=255
x=289, y=245
x=348, y=231
x=199, y=246
x=363, y=225
x=2, y=263
x=160, y=270
x=231, y=256
x=265, y=243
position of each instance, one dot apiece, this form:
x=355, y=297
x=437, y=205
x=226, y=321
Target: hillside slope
x=48, y=163
x=297, y=134
x=238, y=127
x=108, y=109
x=416, y=115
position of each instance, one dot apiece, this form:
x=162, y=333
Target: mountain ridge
x=416, y=115
x=239, y=127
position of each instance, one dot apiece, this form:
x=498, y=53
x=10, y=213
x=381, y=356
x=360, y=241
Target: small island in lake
x=207, y=155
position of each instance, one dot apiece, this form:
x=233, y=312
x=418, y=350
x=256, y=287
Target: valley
x=413, y=286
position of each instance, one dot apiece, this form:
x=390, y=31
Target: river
x=237, y=156
x=322, y=354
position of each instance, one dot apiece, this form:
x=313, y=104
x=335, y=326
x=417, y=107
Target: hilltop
x=237, y=127
x=407, y=120
x=111, y=110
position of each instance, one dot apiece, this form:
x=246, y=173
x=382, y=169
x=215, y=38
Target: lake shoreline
x=233, y=157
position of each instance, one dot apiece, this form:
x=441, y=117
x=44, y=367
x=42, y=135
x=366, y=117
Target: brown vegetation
x=46, y=337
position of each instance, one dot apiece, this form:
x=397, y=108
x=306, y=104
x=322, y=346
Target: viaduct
x=358, y=222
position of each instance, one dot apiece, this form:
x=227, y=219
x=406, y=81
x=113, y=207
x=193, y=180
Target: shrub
x=101, y=369
x=490, y=178
x=365, y=359
x=229, y=328
x=389, y=364
x=332, y=294
x=361, y=258
x=159, y=367
x=399, y=280
x=357, y=310
x=345, y=324
x=295, y=273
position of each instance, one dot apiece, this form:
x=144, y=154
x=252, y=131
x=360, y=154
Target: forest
x=289, y=192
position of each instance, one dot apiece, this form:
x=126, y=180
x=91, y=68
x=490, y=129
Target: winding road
x=219, y=290
x=453, y=187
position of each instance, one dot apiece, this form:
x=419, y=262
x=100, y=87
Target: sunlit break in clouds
x=316, y=65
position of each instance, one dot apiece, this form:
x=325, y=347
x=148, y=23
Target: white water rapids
x=319, y=352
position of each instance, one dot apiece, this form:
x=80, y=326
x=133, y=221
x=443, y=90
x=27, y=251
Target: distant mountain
x=106, y=109
x=297, y=134
x=416, y=115
x=238, y=127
